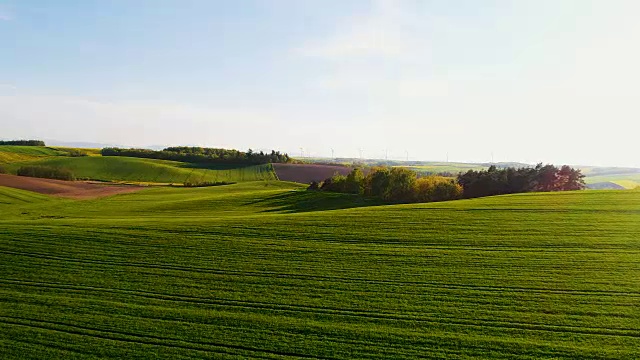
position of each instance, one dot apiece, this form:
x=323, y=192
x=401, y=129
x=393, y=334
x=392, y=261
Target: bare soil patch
x=307, y=173
x=67, y=189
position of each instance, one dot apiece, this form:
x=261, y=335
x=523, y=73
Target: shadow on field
x=307, y=201
x=210, y=166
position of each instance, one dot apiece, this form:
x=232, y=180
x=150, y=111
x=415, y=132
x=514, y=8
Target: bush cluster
x=76, y=153
x=202, y=155
x=3, y=170
x=393, y=185
x=23, y=142
x=46, y=172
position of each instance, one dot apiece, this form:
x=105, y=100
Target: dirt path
x=67, y=189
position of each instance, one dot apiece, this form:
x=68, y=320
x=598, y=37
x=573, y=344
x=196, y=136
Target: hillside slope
x=231, y=272
x=155, y=171
x=11, y=154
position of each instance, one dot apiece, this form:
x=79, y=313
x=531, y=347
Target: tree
x=436, y=188
x=570, y=179
x=355, y=182
x=377, y=182
x=401, y=184
x=547, y=178
x=510, y=180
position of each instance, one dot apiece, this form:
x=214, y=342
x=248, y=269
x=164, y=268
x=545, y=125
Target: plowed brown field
x=306, y=173
x=68, y=189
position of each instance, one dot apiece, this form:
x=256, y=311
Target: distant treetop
x=202, y=155
x=23, y=142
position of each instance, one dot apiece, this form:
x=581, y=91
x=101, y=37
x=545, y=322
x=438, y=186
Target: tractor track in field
x=146, y=339
x=82, y=330
x=434, y=320
x=322, y=278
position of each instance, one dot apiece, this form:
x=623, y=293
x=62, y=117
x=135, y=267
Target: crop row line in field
x=372, y=349
x=50, y=344
x=436, y=320
x=392, y=349
x=325, y=277
x=464, y=300
x=127, y=243
x=148, y=339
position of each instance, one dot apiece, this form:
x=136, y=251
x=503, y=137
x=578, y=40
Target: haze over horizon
x=544, y=81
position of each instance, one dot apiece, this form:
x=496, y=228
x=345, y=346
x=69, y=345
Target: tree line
x=23, y=142
x=47, y=172
x=402, y=185
x=541, y=178
x=202, y=155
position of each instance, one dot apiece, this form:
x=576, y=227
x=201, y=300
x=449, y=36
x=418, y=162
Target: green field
x=628, y=181
x=11, y=154
x=156, y=171
x=126, y=169
x=264, y=270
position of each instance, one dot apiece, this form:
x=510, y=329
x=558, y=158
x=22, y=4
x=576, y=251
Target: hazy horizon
x=545, y=81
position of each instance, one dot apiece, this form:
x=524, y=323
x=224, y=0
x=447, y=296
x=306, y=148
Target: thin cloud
x=372, y=51
x=5, y=14
x=381, y=32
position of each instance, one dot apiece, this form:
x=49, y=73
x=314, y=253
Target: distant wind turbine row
x=361, y=154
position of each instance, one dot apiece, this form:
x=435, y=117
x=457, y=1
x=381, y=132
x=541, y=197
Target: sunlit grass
x=266, y=269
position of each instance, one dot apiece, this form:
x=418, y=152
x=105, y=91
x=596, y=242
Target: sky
x=554, y=81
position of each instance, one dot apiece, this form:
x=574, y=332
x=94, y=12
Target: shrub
x=46, y=172
x=206, y=183
x=76, y=153
x=336, y=183
x=3, y=170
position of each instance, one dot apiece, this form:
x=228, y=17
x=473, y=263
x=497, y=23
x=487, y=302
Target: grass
x=267, y=270
x=154, y=171
x=88, y=151
x=15, y=197
x=125, y=169
x=11, y=154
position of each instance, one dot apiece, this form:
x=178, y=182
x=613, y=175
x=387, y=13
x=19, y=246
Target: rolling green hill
x=11, y=154
x=152, y=171
x=628, y=181
x=265, y=270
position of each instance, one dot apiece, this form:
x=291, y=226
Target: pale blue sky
x=541, y=80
